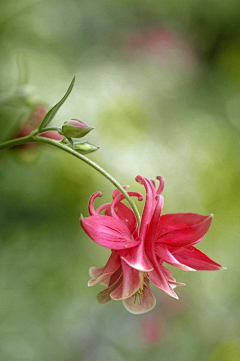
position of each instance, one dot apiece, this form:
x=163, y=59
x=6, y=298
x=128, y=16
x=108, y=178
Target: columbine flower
x=138, y=254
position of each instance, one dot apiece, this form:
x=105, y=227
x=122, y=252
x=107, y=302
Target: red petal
x=148, y=302
x=192, y=257
x=99, y=275
x=165, y=255
x=138, y=259
x=161, y=184
x=159, y=279
x=170, y=278
x=104, y=296
x=149, y=206
x=115, y=281
x=152, y=228
x=182, y=229
x=126, y=216
x=91, y=203
x=129, y=285
x=94, y=272
x=118, y=194
x=108, y=232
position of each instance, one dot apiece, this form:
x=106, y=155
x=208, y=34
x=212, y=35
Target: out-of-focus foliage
x=160, y=81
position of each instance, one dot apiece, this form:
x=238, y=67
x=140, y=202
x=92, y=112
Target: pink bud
x=75, y=128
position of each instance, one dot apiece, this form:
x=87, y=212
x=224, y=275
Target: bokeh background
x=160, y=81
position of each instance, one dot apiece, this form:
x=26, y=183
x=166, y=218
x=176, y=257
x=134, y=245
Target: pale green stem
x=33, y=137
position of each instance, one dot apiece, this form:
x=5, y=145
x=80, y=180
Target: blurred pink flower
x=138, y=253
x=33, y=123
x=161, y=43
x=151, y=331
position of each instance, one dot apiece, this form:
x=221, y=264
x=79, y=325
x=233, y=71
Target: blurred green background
x=160, y=81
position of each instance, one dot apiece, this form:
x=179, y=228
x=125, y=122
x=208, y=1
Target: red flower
x=138, y=253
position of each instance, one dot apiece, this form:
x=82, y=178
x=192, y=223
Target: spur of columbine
x=138, y=253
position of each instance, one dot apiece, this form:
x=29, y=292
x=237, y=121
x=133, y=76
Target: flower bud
x=85, y=148
x=74, y=128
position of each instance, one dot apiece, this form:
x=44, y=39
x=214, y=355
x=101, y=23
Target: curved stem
x=96, y=167
x=33, y=137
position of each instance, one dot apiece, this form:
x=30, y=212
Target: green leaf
x=53, y=111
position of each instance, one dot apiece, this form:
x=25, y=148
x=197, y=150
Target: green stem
x=14, y=142
x=33, y=137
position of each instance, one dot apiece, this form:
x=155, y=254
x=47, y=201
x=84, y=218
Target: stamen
x=142, y=288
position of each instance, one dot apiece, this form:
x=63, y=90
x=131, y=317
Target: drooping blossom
x=161, y=43
x=138, y=254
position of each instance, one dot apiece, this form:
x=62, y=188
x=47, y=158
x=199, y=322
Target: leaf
x=53, y=111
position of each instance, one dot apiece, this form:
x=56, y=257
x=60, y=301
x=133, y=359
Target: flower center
x=144, y=280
